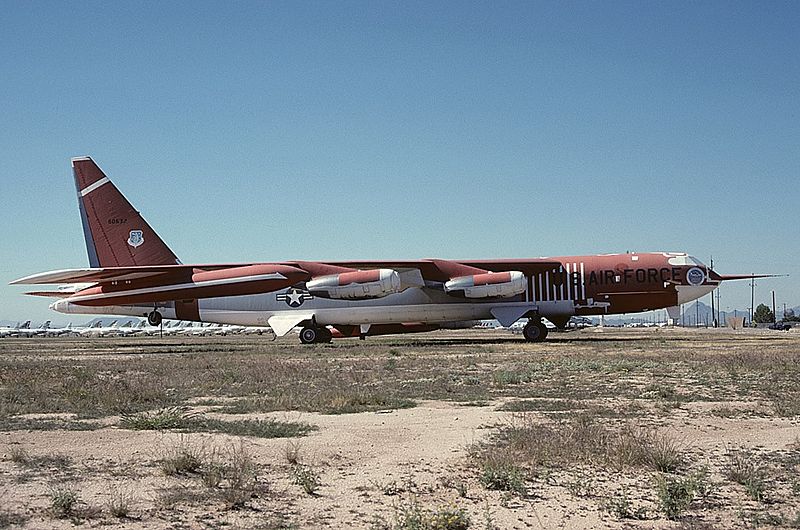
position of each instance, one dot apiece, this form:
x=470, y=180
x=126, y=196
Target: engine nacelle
x=356, y=285
x=490, y=284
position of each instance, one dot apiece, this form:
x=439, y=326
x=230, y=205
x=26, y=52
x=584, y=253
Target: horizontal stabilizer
x=748, y=276
x=111, y=274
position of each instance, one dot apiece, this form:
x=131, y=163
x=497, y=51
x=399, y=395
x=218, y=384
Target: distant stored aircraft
x=26, y=331
x=13, y=332
x=99, y=330
x=133, y=272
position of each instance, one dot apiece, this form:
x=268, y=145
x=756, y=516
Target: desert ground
x=598, y=428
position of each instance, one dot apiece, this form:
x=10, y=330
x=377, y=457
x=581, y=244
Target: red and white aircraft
x=133, y=272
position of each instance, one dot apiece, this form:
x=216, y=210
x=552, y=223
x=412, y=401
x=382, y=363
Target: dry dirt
x=713, y=392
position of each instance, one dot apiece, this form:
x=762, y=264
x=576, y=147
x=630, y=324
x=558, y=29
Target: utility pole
x=774, y=313
x=697, y=313
x=713, y=313
x=752, y=296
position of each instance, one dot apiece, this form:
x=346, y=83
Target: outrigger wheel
x=312, y=334
x=154, y=318
x=534, y=330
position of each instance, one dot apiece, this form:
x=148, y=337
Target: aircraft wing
x=439, y=270
x=51, y=294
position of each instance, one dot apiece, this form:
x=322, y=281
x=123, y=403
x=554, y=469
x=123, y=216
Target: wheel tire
x=309, y=335
x=154, y=318
x=534, y=331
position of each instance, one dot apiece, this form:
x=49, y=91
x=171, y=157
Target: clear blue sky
x=268, y=131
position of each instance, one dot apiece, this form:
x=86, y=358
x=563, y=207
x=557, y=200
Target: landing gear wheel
x=314, y=335
x=325, y=335
x=534, y=331
x=154, y=318
x=309, y=335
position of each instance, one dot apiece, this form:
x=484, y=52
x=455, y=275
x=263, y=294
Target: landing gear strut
x=534, y=330
x=154, y=318
x=314, y=335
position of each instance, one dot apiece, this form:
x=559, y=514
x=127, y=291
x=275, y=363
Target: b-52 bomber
x=133, y=272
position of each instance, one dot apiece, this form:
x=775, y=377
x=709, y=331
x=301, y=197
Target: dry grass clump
x=180, y=418
x=157, y=420
x=499, y=470
x=787, y=404
x=120, y=501
x=582, y=439
x=230, y=475
x=306, y=477
x=183, y=458
x=240, y=473
x=19, y=455
x=52, y=461
x=744, y=468
x=63, y=501
x=413, y=516
x=180, y=494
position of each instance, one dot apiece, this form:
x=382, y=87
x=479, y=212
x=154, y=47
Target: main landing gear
x=314, y=334
x=534, y=330
x=154, y=318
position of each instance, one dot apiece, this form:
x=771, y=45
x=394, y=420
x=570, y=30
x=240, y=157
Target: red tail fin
x=116, y=235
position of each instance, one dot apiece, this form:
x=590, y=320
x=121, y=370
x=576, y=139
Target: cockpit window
x=684, y=259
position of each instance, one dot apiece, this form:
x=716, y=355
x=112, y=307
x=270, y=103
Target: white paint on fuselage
x=687, y=293
x=411, y=305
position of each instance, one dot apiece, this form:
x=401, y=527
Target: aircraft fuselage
x=582, y=285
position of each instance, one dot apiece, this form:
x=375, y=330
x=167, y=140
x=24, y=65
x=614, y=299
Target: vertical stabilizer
x=116, y=235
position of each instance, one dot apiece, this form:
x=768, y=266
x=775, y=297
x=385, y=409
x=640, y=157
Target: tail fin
x=116, y=235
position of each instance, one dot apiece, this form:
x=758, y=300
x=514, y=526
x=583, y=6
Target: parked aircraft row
x=133, y=272
x=131, y=329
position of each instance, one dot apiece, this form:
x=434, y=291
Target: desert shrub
x=213, y=472
x=292, y=452
x=661, y=452
x=119, y=502
x=180, y=494
x=582, y=439
x=182, y=419
x=622, y=507
x=744, y=469
x=183, y=458
x=240, y=473
x=675, y=494
x=19, y=455
x=63, y=500
x=499, y=471
x=255, y=428
x=306, y=477
x=413, y=516
x=157, y=420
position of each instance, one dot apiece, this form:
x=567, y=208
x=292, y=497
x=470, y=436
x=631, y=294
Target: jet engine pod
x=490, y=284
x=356, y=285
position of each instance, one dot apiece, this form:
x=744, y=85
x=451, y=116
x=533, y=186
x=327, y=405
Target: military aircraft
x=27, y=331
x=13, y=332
x=133, y=272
